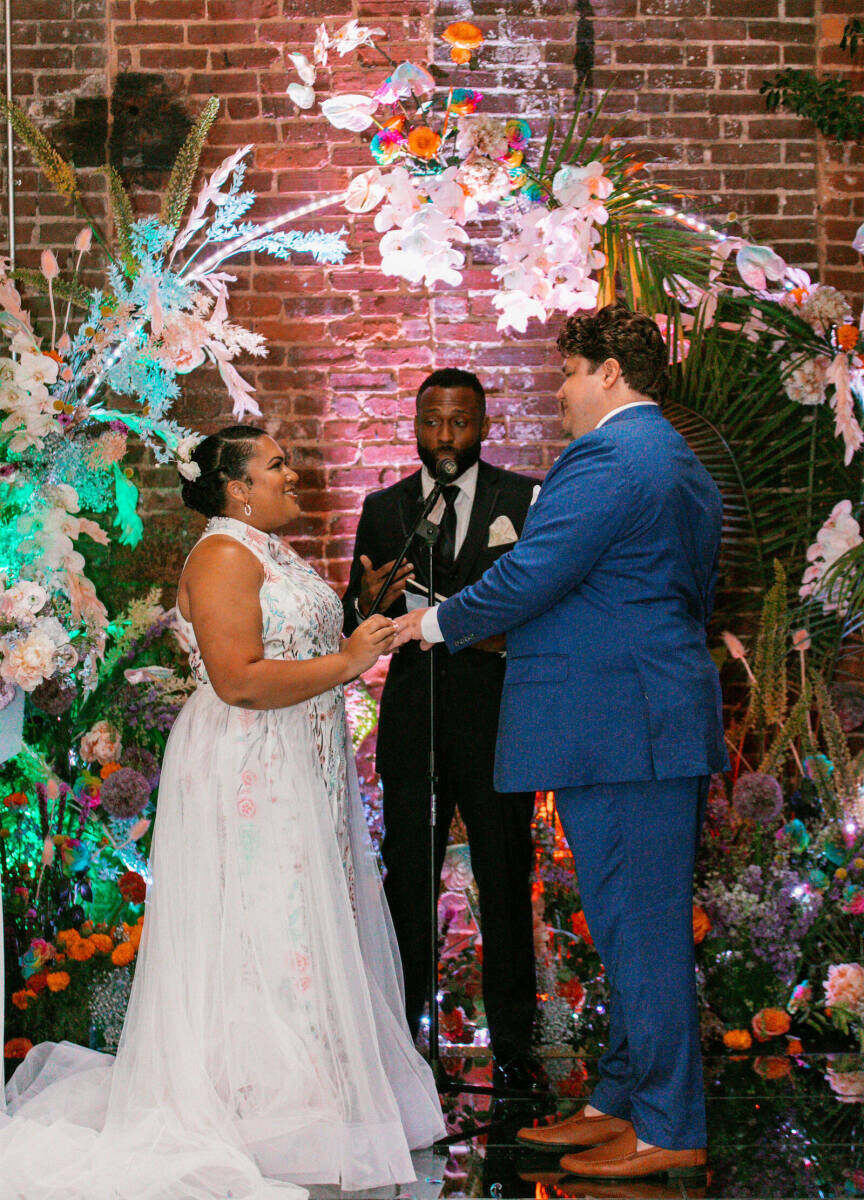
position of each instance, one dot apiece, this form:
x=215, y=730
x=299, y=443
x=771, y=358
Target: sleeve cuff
x=429, y=627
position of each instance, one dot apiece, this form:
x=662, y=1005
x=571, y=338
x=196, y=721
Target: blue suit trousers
x=634, y=846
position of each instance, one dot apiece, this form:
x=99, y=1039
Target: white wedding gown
x=265, y=1039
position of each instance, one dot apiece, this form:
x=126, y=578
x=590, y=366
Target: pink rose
x=101, y=744
x=844, y=987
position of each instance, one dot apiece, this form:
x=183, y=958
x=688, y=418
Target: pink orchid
x=845, y=423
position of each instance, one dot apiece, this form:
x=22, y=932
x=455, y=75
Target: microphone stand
x=427, y=531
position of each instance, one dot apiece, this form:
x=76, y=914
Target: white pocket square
x=502, y=532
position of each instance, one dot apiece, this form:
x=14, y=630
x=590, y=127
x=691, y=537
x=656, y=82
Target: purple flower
x=125, y=793
x=757, y=797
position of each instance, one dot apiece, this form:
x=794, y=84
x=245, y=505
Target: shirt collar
x=467, y=481
x=623, y=407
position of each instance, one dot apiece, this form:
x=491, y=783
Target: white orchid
x=352, y=36
x=421, y=249
x=321, y=46
x=840, y=533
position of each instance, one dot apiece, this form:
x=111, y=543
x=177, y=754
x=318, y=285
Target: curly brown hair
x=632, y=339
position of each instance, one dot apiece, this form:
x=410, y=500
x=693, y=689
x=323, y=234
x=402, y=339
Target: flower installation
x=780, y=890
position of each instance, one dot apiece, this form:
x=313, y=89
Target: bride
x=265, y=1045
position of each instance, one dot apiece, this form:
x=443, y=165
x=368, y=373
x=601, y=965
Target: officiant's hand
x=367, y=643
x=373, y=578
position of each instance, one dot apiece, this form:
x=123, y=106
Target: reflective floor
x=778, y=1127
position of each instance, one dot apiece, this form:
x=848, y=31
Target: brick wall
x=349, y=346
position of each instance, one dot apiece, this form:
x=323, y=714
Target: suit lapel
x=410, y=496
x=485, y=498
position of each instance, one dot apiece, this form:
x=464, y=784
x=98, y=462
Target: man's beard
x=463, y=458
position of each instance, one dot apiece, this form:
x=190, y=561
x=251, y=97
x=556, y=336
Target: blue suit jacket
x=604, y=601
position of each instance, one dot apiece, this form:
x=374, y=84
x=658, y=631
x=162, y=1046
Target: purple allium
x=140, y=759
x=848, y=702
x=54, y=696
x=125, y=793
x=757, y=797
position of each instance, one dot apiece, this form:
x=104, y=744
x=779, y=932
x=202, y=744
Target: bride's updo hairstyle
x=222, y=457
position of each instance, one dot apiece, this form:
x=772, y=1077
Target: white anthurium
x=757, y=264
x=353, y=35
x=365, y=192
x=351, y=111
x=303, y=67
x=303, y=96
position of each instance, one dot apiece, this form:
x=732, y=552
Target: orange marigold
x=701, y=924
x=16, y=800
x=737, y=1039
x=22, y=998
x=770, y=1022
x=37, y=983
x=82, y=950
x=794, y=1046
x=17, y=1048
x=423, y=142
x=847, y=337
x=67, y=938
x=109, y=769
x=58, y=981
x=772, y=1067
x=102, y=942
x=122, y=954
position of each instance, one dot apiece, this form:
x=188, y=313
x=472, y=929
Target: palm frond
x=186, y=166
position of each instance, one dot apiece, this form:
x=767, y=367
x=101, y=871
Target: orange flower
x=737, y=1039
x=580, y=927
x=794, y=1046
x=460, y=54
x=772, y=1067
x=17, y=1048
x=109, y=769
x=122, y=954
x=82, y=950
x=67, y=938
x=462, y=35
x=36, y=983
x=102, y=942
x=701, y=924
x=22, y=999
x=423, y=142
x=770, y=1022
x=847, y=337
x=15, y=800
x=57, y=981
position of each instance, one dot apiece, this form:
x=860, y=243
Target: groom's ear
x=610, y=372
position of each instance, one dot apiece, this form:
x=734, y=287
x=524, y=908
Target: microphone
x=445, y=470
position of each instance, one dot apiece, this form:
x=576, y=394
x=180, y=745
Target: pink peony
x=844, y=987
x=101, y=744
x=847, y=1086
x=29, y=662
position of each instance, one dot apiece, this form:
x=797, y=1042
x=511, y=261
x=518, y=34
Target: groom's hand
x=408, y=628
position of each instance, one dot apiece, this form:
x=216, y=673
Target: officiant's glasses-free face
x=269, y=488
x=449, y=424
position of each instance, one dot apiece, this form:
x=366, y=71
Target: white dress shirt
x=429, y=627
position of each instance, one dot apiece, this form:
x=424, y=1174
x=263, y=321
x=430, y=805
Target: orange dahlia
x=423, y=142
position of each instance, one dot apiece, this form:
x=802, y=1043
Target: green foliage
x=768, y=699
x=824, y=100
x=185, y=167
x=66, y=289
x=124, y=218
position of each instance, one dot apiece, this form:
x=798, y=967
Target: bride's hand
x=367, y=643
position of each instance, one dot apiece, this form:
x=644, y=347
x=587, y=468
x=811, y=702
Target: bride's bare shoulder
x=219, y=561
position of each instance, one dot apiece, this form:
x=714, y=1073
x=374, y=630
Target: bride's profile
x=265, y=1046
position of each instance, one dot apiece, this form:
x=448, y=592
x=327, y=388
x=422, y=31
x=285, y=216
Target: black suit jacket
x=474, y=676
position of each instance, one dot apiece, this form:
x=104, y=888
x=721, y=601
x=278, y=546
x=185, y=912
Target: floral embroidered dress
x=265, y=1045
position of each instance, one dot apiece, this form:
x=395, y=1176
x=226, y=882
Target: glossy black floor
x=778, y=1127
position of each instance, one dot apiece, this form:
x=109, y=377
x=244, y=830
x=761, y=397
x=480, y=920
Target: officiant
x=480, y=514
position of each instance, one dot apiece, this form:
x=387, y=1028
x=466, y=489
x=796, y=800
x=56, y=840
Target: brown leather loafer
x=620, y=1159
x=576, y=1131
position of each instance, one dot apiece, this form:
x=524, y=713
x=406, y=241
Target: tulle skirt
x=265, y=1045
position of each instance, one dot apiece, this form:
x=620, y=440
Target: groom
x=612, y=700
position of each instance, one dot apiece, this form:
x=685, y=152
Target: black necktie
x=445, y=547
